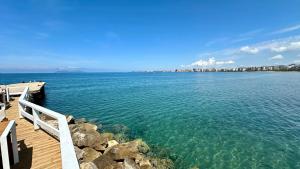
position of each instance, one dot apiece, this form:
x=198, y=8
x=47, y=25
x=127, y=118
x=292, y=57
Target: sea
x=208, y=120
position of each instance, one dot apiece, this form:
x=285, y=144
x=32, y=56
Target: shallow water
x=209, y=120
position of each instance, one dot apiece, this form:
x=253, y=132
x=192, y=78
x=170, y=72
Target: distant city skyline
x=55, y=35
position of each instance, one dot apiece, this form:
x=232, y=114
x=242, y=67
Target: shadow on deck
x=37, y=149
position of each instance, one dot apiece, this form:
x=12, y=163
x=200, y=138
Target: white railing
x=68, y=156
x=2, y=111
x=10, y=129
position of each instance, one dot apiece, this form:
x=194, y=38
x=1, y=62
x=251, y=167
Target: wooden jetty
x=41, y=146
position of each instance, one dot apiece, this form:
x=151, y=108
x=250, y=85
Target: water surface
x=209, y=120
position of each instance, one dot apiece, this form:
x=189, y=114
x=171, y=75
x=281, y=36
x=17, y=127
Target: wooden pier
x=40, y=145
x=37, y=149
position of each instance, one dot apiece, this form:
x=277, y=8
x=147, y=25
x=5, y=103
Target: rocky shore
x=102, y=150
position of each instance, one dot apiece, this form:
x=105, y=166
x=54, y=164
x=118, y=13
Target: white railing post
x=20, y=110
x=14, y=143
x=7, y=94
x=4, y=153
x=35, y=119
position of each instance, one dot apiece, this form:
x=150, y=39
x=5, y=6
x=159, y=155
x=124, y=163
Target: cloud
x=296, y=61
x=285, y=46
x=250, y=50
x=287, y=29
x=277, y=57
x=211, y=62
x=279, y=49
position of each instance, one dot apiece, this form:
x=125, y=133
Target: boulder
x=142, y=146
x=86, y=135
x=110, y=144
x=81, y=120
x=108, y=136
x=127, y=150
x=88, y=165
x=91, y=139
x=130, y=164
x=90, y=154
x=145, y=164
x=121, y=137
x=105, y=162
x=53, y=123
x=79, y=153
x=70, y=119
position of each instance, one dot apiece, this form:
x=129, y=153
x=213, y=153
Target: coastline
x=96, y=149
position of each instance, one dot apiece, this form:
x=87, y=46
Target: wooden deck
x=38, y=150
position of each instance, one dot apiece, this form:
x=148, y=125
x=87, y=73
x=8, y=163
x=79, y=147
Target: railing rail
x=68, y=156
x=10, y=129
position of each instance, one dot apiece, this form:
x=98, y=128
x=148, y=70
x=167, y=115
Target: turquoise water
x=209, y=120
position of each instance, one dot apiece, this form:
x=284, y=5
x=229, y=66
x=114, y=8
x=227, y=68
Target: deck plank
x=38, y=150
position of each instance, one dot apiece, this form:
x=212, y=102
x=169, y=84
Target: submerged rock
x=119, y=128
x=89, y=144
x=121, y=137
x=158, y=163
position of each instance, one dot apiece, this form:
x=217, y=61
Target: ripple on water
x=209, y=120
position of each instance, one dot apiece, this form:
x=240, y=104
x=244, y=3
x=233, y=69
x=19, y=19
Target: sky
x=137, y=35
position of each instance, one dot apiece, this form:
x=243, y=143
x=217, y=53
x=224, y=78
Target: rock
x=108, y=136
x=145, y=164
x=119, y=128
x=89, y=165
x=79, y=153
x=89, y=126
x=158, y=163
x=105, y=162
x=127, y=150
x=81, y=120
x=86, y=135
x=70, y=119
x=142, y=146
x=53, y=123
x=83, y=126
x=139, y=158
x=121, y=138
x=90, y=154
x=110, y=144
x=195, y=167
x=130, y=164
x=91, y=139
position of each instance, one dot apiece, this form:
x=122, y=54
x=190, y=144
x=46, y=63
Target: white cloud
x=211, y=62
x=288, y=29
x=251, y=50
x=296, y=61
x=277, y=57
x=279, y=49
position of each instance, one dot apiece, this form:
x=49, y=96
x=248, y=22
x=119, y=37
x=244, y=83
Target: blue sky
x=46, y=35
